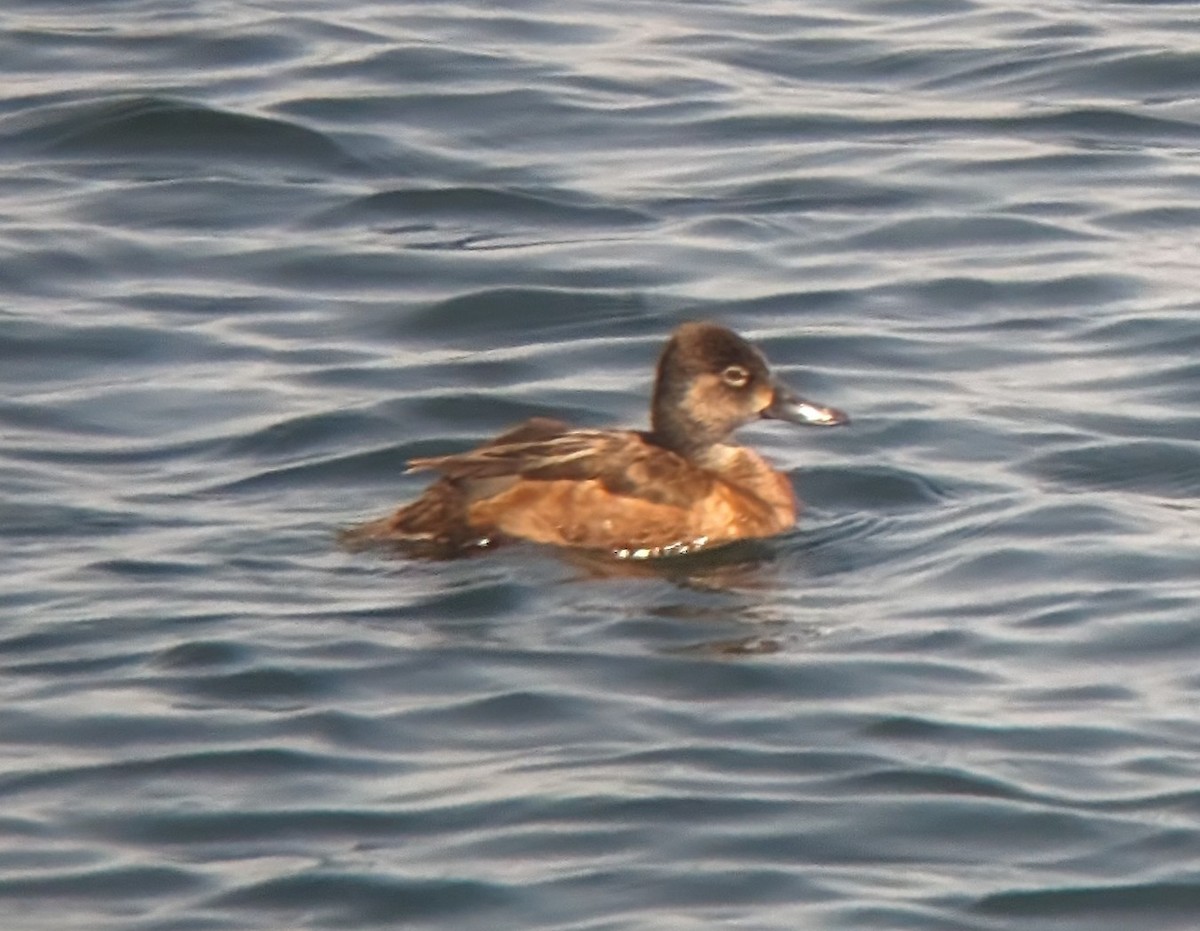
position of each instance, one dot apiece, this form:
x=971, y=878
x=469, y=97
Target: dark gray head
x=711, y=381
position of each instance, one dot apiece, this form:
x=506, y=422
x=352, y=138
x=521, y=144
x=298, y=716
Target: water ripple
x=255, y=258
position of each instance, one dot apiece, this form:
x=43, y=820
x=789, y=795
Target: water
x=255, y=257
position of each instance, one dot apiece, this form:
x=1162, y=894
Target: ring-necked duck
x=675, y=488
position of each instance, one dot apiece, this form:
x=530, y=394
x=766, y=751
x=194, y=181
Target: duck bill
x=786, y=405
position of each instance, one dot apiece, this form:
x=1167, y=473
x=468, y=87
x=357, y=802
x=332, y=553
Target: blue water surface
x=254, y=257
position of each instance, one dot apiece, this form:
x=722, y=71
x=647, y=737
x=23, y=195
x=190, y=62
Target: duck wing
x=436, y=522
x=623, y=461
x=572, y=454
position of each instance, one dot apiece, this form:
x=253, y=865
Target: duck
x=678, y=487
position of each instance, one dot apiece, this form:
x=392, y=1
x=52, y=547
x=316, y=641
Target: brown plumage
x=672, y=489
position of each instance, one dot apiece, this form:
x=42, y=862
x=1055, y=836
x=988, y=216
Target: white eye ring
x=736, y=376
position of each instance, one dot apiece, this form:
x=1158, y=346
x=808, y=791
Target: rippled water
x=253, y=257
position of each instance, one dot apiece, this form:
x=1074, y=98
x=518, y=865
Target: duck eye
x=735, y=376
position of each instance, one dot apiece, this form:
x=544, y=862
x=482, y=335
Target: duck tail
x=435, y=523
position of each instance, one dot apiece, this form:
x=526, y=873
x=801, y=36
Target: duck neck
x=695, y=441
